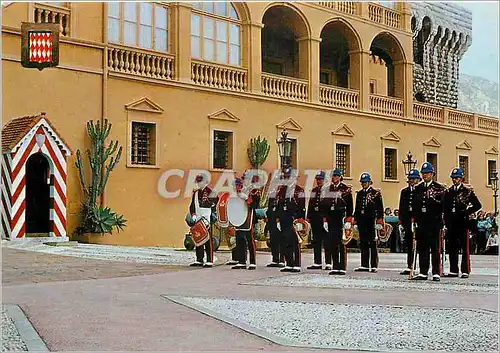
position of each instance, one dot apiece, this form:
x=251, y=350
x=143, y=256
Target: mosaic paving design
x=377, y=283
x=346, y=326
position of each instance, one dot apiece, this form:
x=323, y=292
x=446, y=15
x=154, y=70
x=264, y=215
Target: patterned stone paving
x=356, y=326
x=376, y=283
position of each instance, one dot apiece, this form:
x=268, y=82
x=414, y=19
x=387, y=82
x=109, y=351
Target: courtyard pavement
x=119, y=300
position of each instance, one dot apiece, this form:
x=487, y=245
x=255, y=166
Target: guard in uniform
x=277, y=242
x=459, y=203
x=368, y=216
x=290, y=206
x=202, y=200
x=244, y=233
x=406, y=214
x=429, y=222
x=316, y=217
x=338, y=206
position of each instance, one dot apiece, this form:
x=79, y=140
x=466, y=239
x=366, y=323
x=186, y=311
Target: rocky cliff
x=477, y=95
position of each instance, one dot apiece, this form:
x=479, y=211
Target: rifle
x=442, y=234
x=414, y=247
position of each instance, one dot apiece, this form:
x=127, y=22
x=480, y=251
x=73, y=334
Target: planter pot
x=261, y=244
x=188, y=242
x=91, y=238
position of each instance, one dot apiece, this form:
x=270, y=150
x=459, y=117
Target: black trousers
x=244, y=241
x=408, y=240
x=320, y=240
x=337, y=248
x=208, y=248
x=277, y=248
x=429, y=241
x=234, y=253
x=481, y=240
x=292, y=246
x=367, y=243
x=458, y=239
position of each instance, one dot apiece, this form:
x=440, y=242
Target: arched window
x=143, y=25
x=216, y=33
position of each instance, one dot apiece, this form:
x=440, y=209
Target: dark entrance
x=37, y=195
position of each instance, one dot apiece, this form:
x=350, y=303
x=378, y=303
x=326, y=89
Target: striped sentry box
x=21, y=139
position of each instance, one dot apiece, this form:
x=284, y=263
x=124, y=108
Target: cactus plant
x=102, y=160
x=258, y=151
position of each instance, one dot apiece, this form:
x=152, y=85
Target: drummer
x=245, y=233
x=200, y=207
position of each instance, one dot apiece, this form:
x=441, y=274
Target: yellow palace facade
x=187, y=85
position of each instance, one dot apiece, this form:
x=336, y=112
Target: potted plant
x=97, y=220
x=258, y=151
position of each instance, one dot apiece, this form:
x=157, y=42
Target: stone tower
x=442, y=33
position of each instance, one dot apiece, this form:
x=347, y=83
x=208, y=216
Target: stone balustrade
x=46, y=13
x=284, y=87
x=339, y=97
x=428, y=113
x=140, y=62
x=348, y=7
x=384, y=15
x=387, y=106
x=461, y=119
x=218, y=76
x=487, y=123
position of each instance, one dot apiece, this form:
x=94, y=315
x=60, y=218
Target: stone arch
x=283, y=46
x=338, y=40
x=391, y=44
x=387, y=47
x=303, y=29
x=242, y=10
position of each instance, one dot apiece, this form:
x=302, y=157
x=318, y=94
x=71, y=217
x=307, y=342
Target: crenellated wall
x=442, y=33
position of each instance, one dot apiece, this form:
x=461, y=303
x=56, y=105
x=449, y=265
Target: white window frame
x=121, y=34
x=202, y=14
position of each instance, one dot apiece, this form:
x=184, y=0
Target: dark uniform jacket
x=204, y=199
x=315, y=212
x=407, y=205
x=369, y=205
x=428, y=205
x=272, y=203
x=338, y=202
x=459, y=205
x=290, y=207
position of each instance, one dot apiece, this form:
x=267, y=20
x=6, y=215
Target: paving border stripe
x=26, y=330
x=264, y=334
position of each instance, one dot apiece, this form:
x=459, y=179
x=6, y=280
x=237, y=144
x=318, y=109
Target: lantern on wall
x=285, y=149
x=409, y=163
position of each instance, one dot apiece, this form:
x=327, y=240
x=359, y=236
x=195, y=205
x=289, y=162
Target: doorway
x=37, y=196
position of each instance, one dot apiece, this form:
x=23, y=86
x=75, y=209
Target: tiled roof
x=17, y=128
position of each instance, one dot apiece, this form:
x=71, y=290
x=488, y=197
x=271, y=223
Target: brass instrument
x=349, y=234
x=383, y=234
x=301, y=228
